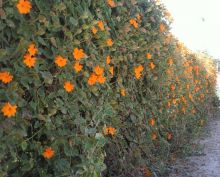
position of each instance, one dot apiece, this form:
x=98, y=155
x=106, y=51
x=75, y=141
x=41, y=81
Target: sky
x=197, y=24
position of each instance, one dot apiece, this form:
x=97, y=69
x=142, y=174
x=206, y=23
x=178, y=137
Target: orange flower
x=206, y=76
x=186, y=64
x=169, y=136
x=92, y=79
x=109, y=131
x=183, y=99
x=111, y=3
x=153, y=136
x=68, y=86
x=187, y=86
x=183, y=110
x=101, y=79
x=167, y=14
x=174, y=101
x=109, y=42
x=111, y=70
x=9, y=110
x=197, y=89
x=97, y=76
x=32, y=49
x=169, y=72
x=202, y=96
x=162, y=27
x=196, y=81
x=170, y=62
x=138, y=70
x=138, y=16
x=98, y=70
x=78, y=54
x=147, y=172
x=193, y=111
x=108, y=59
x=5, y=77
x=172, y=87
x=138, y=75
x=101, y=25
x=177, y=79
x=134, y=23
x=196, y=69
x=60, y=61
x=151, y=122
x=190, y=97
x=48, y=153
x=29, y=60
x=123, y=92
x=24, y=6
x=77, y=67
x=168, y=104
x=94, y=30
x=152, y=65
x=190, y=69
x=148, y=56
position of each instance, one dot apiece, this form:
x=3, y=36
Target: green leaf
x=73, y=21
x=24, y=145
x=41, y=41
x=48, y=78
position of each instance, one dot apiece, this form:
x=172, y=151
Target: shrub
x=96, y=88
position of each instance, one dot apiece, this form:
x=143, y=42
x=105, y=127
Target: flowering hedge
x=96, y=88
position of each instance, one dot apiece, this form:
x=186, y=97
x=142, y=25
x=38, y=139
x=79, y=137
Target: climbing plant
x=96, y=88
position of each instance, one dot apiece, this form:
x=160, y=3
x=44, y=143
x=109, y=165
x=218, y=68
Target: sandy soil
x=208, y=163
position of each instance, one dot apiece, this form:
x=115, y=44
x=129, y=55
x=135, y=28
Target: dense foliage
x=96, y=88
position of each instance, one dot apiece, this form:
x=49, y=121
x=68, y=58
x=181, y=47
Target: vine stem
x=33, y=135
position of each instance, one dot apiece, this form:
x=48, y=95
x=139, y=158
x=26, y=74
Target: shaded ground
x=206, y=164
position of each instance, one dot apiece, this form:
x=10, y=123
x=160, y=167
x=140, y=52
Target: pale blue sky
x=189, y=26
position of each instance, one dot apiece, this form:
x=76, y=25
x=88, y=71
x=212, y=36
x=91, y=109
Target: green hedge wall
x=96, y=88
